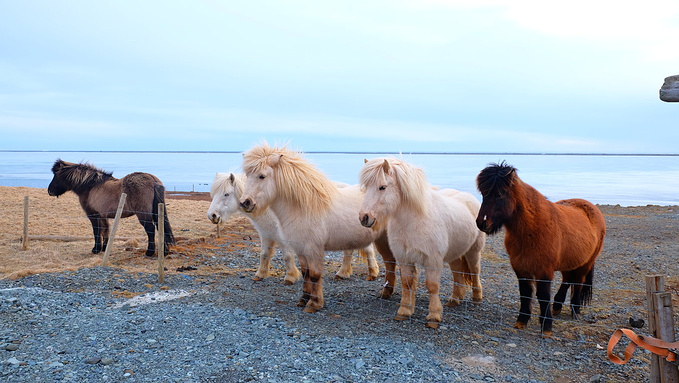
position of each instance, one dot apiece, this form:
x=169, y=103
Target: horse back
x=140, y=190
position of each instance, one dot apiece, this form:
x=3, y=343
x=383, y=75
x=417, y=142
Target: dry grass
x=63, y=217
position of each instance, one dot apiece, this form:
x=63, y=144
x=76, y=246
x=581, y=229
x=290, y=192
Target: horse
x=99, y=194
x=426, y=227
x=542, y=237
x=315, y=215
x=226, y=191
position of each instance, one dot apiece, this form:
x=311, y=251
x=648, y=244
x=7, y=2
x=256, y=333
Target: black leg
x=544, y=293
x=96, y=229
x=146, y=220
x=526, y=297
x=560, y=296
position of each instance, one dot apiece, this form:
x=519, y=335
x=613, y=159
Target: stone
x=669, y=92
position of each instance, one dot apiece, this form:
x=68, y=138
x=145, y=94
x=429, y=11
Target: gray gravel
x=76, y=327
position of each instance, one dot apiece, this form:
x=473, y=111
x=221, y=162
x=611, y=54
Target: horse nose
x=214, y=218
x=247, y=205
x=366, y=220
x=483, y=224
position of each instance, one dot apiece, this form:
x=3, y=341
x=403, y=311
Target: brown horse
x=99, y=193
x=542, y=237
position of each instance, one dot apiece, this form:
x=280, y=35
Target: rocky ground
x=210, y=322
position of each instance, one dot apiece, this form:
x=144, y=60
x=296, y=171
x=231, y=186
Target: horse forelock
x=297, y=180
x=222, y=183
x=496, y=179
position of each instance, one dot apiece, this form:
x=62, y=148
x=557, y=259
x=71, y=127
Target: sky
x=469, y=76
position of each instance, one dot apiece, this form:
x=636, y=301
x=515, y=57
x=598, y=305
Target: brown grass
x=63, y=217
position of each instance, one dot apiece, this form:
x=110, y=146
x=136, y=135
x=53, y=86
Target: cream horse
x=426, y=227
x=315, y=215
x=227, y=189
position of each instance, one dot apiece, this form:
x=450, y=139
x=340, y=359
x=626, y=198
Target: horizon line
x=350, y=152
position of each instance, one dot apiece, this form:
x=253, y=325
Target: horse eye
x=262, y=176
x=383, y=187
x=226, y=195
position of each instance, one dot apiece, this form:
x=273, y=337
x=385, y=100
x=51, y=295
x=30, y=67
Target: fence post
x=112, y=235
x=160, y=249
x=24, y=240
x=661, y=326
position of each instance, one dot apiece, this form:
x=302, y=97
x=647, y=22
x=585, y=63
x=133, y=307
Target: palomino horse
x=315, y=215
x=542, y=237
x=99, y=193
x=226, y=191
x=425, y=227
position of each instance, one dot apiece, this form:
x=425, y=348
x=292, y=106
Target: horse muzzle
x=247, y=205
x=214, y=218
x=367, y=220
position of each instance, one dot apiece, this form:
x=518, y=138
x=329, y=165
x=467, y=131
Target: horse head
x=259, y=189
x=225, y=192
x=382, y=192
x=495, y=183
x=59, y=184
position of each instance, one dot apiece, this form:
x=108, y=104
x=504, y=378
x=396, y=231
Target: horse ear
x=365, y=160
x=232, y=177
x=274, y=159
x=385, y=166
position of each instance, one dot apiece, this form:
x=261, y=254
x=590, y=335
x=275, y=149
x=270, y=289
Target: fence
x=503, y=305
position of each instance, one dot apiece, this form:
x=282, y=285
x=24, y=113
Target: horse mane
x=80, y=176
x=412, y=180
x=297, y=180
x=222, y=180
x=496, y=179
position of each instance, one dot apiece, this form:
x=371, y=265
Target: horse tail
x=586, y=291
x=159, y=197
x=466, y=271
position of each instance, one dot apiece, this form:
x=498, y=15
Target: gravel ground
x=107, y=324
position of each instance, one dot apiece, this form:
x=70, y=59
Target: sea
x=620, y=179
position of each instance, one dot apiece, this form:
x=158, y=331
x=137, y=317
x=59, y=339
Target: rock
x=11, y=347
x=13, y=361
x=636, y=322
x=94, y=360
x=107, y=361
x=669, y=91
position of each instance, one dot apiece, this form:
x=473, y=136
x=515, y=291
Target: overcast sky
x=411, y=75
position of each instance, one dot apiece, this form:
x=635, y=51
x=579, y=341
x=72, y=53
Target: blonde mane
x=298, y=181
x=222, y=180
x=411, y=180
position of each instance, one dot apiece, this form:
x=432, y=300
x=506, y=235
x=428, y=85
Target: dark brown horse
x=99, y=194
x=542, y=237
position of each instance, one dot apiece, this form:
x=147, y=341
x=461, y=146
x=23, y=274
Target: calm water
x=624, y=180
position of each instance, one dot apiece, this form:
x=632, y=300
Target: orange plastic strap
x=654, y=345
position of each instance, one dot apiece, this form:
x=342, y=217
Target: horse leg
x=373, y=267
x=581, y=293
x=315, y=276
x=526, y=297
x=459, y=282
x=96, y=229
x=433, y=282
x=103, y=232
x=382, y=245
x=560, y=297
x=345, y=271
x=291, y=271
x=408, y=287
x=265, y=256
x=146, y=220
x=544, y=293
x=306, y=287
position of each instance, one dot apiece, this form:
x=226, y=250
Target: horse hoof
x=477, y=301
x=257, y=279
x=288, y=283
x=310, y=309
x=433, y=325
x=301, y=303
x=370, y=278
x=547, y=334
x=340, y=277
x=520, y=325
x=452, y=303
x=556, y=312
x=385, y=293
x=401, y=318
x=96, y=251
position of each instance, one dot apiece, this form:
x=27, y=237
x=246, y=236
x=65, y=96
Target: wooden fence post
x=661, y=326
x=24, y=240
x=160, y=249
x=112, y=235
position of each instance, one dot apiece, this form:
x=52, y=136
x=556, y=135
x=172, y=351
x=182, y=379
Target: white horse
x=227, y=189
x=426, y=227
x=315, y=215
